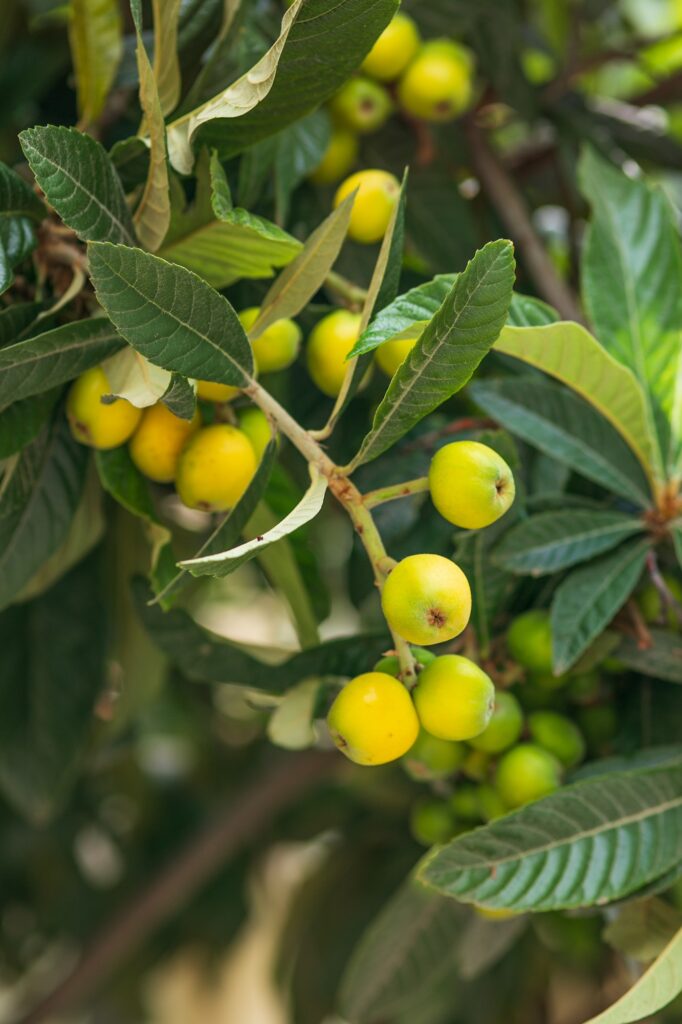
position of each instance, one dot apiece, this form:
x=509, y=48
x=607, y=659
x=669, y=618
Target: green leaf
x=295, y=286
x=96, y=41
x=587, y=844
x=16, y=319
x=20, y=210
x=228, y=532
x=80, y=181
x=122, y=479
x=170, y=315
x=552, y=541
x=491, y=586
x=657, y=987
x=564, y=426
x=331, y=38
x=180, y=397
x=38, y=497
x=569, y=353
x=527, y=311
x=299, y=149
x=48, y=689
x=589, y=597
x=153, y=212
x=204, y=657
x=663, y=660
x=166, y=62
x=22, y=421
x=55, y=357
x=219, y=242
x=225, y=562
x=412, y=942
x=632, y=284
x=451, y=347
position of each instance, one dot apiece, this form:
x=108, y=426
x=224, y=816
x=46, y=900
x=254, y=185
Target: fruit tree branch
x=512, y=209
x=237, y=824
x=403, y=490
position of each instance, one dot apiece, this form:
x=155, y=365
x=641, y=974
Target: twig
x=403, y=490
x=235, y=826
x=642, y=634
x=512, y=210
x=352, y=295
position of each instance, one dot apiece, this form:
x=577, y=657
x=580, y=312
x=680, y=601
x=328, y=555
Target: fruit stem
x=347, y=494
x=353, y=296
x=404, y=490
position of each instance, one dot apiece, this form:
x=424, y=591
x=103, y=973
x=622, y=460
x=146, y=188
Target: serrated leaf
x=122, y=479
x=80, y=182
x=296, y=285
x=553, y=541
x=291, y=724
x=134, y=378
x=49, y=359
x=48, y=689
x=567, y=428
x=22, y=421
x=228, y=532
x=411, y=942
x=631, y=281
x=15, y=320
x=153, y=212
x=204, y=657
x=334, y=39
x=180, y=397
x=568, y=352
x=663, y=660
x=657, y=987
x=235, y=101
x=20, y=210
x=219, y=242
x=587, y=844
x=451, y=347
x=166, y=62
x=38, y=498
x=170, y=315
x=589, y=597
x=96, y=41
x=225, y=562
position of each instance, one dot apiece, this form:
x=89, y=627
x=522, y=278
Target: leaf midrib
x=574, y=838
x=576, y=538
x=64, y=349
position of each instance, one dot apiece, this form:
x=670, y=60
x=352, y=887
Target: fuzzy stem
x=404, y=490
x=352, y=295
x=347, y=494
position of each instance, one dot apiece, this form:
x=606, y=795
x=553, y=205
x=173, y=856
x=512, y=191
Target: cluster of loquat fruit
x=430, y=81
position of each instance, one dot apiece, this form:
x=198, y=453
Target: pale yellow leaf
x=166, y=63
x=96, y=42
x=134, y=378
x=153, y=212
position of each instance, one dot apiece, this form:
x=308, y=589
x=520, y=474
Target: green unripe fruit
x=338, y=158
x=548, y=682
x=373, y=720
x=393, y=50
x=431, y=822
x=431, y=758
x=454, y=698
x=377, y=194
x=471, y=485
x=476, y=765
x=651, y=603
x=255, y=424
x=490, y=803
x=529, y=639
x=427, y=600
x=584, y=688
x=391, y=663
x=559, y=735
x=361, y=105
x=437, y=85
x=277, y=347
x=504, y=728
x=526, y=773
x=464, y=802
